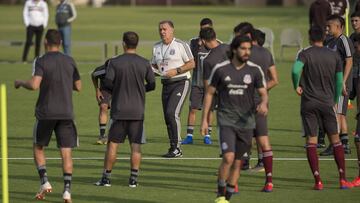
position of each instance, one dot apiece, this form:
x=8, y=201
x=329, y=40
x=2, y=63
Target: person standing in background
x=65, y=15
x=36, y=16
x=319, y=11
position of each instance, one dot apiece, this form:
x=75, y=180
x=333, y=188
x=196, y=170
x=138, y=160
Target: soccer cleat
x=321, y=145
x=258, y=168
x=67, y=197
x=132, y=183
x=207, y=140
x=44, y=188
x=328, y=151
x=188, y=140
x=246, y=164
x=102, y=141
x=268, y=187
x=221, y=200
x=318, y=186
x=103, y=182
x=344, y=184
x=347, y=149
x=173, y=153
x=356, y=182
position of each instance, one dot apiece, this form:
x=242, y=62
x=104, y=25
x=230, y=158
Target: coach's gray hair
x=169, y=22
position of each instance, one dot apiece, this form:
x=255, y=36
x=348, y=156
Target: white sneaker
x=67, y=197
x=44, y=188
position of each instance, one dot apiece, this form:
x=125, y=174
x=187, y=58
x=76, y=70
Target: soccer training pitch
x=184, y=180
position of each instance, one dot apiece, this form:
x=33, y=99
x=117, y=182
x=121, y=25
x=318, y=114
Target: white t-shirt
x=36, y=13
x=171, y=56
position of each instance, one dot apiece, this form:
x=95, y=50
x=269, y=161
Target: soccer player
x=36, y=16
x=355, y=23
x=236, y=81
x=344, y=47
x=199, y=52
x=125, y=80
x=174, y=60
x=318, y=13
x=103, y=98
x=56, y=75
x=356, y=39
x=322, y=81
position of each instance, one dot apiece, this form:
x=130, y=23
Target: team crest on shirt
x=227, y=78
x=172, y=52
x=247, y=79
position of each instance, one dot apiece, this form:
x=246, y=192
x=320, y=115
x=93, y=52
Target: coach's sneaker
x=318, y=186
x=103, y=182
x=207, y=140
x=132, y=183
x=258, y=168
x=356, y=182
x=188, y=140
x=268, y=187
x=173, y=153
x=344, y=184
x=67, y=197
x=221, y=200
x=44, y=188
x=347, y=149
x=328, y=151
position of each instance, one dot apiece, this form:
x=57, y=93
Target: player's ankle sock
x=42, y=174
x=313, y=161
x=268, y=164
x=106, y=174
x=190, y=130
x=209, y=130
x=102, y=128
x=134, y=174
x=230, y=189
x=340, y=159
x=221, y=188
x=344, y=138
x=67, y=181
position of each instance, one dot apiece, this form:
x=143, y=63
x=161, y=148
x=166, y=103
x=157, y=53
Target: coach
x=173, y=59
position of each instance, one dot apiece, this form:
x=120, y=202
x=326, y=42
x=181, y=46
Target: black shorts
x=236, y=140
x=261, y=128
x=65, y=132
x=107, y=98
x=196, y=97
x=313, y=113
x=119, y=129
x=342, y=105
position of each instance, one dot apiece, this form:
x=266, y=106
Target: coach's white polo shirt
x=172, y=56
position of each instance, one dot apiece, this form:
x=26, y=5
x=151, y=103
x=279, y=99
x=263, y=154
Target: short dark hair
x=316, y=34
x=236, y=43
x=131, y=39
x=259, y=37
x=207, y=34
x=206, y=21
x=53, y=37
x=336, y=18
x=355, y=14
x=169, y=22
x=244, y=28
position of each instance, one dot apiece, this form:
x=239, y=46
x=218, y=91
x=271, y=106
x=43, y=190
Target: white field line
x=159, y=158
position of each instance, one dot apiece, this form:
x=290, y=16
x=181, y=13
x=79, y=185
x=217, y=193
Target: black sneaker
x=321, y=145
x=132, y=183
x=246, y=164
x=173, y=153
x=347, y=149
x=103, y=182
x=328, y=151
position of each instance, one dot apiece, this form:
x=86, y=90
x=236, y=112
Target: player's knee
x=228, y=158
x=103, y=108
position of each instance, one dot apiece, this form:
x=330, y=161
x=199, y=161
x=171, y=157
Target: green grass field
x=178, y=180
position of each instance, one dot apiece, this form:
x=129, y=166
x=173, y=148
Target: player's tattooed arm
x=209, y=95
x=262, y=108
x=273, y=78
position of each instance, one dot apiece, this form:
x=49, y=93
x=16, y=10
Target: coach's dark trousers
x=30, y=31
x=173, y=99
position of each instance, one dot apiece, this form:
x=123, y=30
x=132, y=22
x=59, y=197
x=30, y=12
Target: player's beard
x=242, y=59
